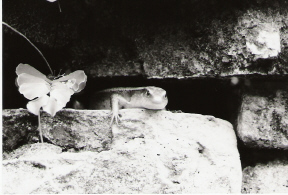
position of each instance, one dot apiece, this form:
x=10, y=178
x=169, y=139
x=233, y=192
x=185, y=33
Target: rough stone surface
x=151, y=152
x=18, y=127
x=78, y=129
x=38, y=150
x=187, y=38
x=70, y=129
x=266, y=178
x=263, y=118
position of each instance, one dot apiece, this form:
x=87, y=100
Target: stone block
x=263, y=117
x=266, y=178
x=151, y=152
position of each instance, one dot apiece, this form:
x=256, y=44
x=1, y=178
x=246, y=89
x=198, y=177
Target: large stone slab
x=151, y=152
x=263, y=117
x=266, y=178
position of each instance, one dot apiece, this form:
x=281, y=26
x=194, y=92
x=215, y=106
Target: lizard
x=114, y=99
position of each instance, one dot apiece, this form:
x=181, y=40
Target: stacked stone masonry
x=154, y=39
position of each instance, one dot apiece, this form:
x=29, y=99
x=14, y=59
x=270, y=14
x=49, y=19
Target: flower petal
x=81, y=86
x=35, y=105
x=61, y=92
x=52, y=106
x=26, y=68
x=80, y=77
x=31, y=86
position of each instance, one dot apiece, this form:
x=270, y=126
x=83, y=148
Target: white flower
x=35, y=86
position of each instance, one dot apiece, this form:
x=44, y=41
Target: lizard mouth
x=157, y=104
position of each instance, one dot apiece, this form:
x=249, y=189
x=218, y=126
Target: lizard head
x=154, y=98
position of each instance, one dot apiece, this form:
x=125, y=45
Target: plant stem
x=59, y=5
x=39, y=128
x=30, y=43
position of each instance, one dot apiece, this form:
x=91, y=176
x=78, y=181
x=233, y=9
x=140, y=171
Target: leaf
x=26, y=68
x=52, y=106
x=31, y=86
x=80, y=78
x=35, y=105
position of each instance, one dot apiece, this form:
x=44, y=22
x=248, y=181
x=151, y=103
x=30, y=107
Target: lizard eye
x=148, y=93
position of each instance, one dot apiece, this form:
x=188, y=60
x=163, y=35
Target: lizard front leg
x=116, y=100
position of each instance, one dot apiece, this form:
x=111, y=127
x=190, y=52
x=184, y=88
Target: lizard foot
x=114, y=117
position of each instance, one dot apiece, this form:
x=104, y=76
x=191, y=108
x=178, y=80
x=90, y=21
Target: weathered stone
x=266, y=178
x=37, y=150
x=70, y=129
x=78, y=129
x=187, y=38
x=151, y=152
x=263, y=118
x=18, y=127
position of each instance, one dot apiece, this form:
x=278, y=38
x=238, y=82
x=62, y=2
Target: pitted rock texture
x=263, y=118
x=266, y=178
x=151, y=152
x=70, y=129
x=157, y=39
x=18, y=127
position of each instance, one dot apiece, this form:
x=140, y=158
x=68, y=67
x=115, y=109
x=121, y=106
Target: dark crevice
x=216, y=97
x=253, y=156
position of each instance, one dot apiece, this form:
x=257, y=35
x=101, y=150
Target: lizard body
x=126, y=98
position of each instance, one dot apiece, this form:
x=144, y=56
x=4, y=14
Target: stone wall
x=157, y=39
x=244, y=42
x=263, y=124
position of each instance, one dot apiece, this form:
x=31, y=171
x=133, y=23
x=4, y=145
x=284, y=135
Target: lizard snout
x=157, y=100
